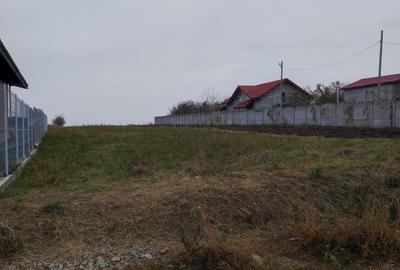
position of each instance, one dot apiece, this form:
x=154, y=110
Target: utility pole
x=380, y=62
x=281, y=65
x=281, y=87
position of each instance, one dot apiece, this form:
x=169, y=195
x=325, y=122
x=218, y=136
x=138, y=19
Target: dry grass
x=213, y=198
x=9, y=242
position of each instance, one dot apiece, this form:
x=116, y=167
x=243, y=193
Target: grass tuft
x=56, y=208
x=392, y=182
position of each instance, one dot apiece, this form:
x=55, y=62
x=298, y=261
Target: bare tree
x=209, y=102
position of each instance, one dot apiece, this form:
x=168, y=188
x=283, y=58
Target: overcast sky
x=125, y=61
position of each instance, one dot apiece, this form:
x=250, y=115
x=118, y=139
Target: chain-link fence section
x=21, y=129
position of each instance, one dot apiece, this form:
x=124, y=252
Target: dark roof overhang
x=9, y=72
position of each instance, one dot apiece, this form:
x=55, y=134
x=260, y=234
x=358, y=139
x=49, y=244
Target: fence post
x=393, y=112
x=16, y=129
x=372, y=114
x=294, y=115
x=5, y=116
x=320, y=114
x=336, y=114
x=23, y=130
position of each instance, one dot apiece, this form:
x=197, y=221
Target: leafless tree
x=209, y=101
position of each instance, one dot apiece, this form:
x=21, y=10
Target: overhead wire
x=337, y=62
x=392, y=43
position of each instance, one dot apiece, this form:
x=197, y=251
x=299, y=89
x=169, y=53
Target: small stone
x=101, y=263
x=116, y=259
x=164, y=251
x=147, y=256
x=258, y=260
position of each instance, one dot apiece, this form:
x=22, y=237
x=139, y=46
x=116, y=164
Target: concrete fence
x=381, y=114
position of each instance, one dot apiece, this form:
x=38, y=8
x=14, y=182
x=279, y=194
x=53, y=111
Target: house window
x=283, y=97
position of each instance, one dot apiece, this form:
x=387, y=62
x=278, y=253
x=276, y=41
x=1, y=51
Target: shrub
x=59, y=121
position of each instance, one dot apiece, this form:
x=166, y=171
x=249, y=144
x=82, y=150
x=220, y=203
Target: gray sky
x=125, y=61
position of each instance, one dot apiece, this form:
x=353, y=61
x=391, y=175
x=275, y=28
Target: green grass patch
x=92, y=159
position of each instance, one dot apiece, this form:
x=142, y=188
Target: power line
x=392, y=43
x=337, y=62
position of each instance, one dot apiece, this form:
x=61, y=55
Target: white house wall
x=369, y=94
x=274, y=98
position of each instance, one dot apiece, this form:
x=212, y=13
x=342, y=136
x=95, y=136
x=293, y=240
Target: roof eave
x=347, y=88
x=21, y=82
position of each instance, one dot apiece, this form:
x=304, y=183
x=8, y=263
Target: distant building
x=267, y=95
x=367, y=89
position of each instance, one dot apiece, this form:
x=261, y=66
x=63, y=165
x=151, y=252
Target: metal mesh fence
x=21, y=129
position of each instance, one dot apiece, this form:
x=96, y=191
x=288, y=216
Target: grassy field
x=212, y=198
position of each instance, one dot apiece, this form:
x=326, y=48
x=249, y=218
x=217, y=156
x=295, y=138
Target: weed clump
x=9, y=242
x=392, y=182
x=56, y=208
x=205, y=250
x=371, y=236
x=316, y=173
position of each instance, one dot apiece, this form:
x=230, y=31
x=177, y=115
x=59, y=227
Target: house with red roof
x=264, y=96
x=366, y=90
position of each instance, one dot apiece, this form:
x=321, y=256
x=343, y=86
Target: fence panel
x=362, y=114
x=288, y=115
x=229, y=118
x=236, y=118
x=251, y=117
x=381, y=114
x=259, y=117
x=21, y=118
x=243, y=117
x=301, y=116
x=12, y=142
x=314, y=115
x=328, y=115
x=273, y=116
x=21, y=128
x=2, y=129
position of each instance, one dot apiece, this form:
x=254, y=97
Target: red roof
x=258, y=91
x=244, y=104
x=367, y=82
